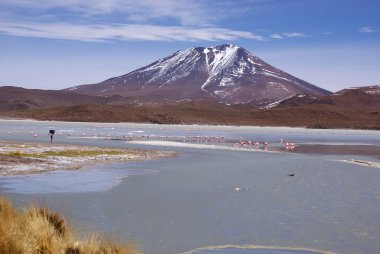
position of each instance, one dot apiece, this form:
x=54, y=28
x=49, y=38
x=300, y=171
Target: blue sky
x=52, y=44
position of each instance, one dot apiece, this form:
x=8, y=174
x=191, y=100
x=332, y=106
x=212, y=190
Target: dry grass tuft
x=40, y=231
x=54, y=220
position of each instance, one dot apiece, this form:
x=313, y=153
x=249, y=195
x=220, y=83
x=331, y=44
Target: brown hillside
x=201, y=112
x=17, y=98
x=351, y=108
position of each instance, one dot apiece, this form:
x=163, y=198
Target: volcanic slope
x=18, y=98
x=225, y=73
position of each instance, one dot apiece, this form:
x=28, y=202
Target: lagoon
x=213, y=197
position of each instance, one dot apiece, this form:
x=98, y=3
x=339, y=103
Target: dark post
x=51, y=132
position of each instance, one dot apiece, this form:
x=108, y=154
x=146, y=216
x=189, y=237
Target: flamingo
x=289, y=146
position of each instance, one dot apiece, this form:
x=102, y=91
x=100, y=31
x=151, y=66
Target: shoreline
x=363, y=163
x=20, y=158
x=236, y=248
x=217, y=127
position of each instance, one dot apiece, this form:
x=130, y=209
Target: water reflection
x=97, y=178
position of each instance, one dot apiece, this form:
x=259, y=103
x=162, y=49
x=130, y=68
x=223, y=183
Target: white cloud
x=276, y=36
x=99, y=33
x=290, y=35
x=366, y=29
x=102, y=20
x=294, y=35
x=195, y=12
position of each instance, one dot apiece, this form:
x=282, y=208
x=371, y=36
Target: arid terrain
x=349, y=108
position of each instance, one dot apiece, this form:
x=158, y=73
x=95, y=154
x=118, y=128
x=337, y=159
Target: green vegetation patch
x=82, y=153
x=66, y=153
x=13, y=154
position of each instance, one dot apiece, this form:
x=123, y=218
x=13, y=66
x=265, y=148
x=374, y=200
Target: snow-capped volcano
x=226, y=73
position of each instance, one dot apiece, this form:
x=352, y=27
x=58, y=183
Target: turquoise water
x=180, y=204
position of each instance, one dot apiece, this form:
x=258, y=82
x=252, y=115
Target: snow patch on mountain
x=227, y=73
x=276, y=103
x=223, y=59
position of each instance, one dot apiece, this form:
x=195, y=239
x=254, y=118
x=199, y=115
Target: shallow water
x=95, y=178
x=251, y=250
x=209, y=197
x=71, y=132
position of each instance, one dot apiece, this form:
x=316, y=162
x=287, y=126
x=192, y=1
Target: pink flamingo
x=289, y=146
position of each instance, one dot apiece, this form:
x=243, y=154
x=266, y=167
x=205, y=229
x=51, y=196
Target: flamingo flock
x=137, y=136
x=264, y=144
x=251, y=144
x=204, y=139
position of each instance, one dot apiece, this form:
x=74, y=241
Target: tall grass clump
x=40, y=231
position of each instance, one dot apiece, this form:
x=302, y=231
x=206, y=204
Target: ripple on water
x=252, y=249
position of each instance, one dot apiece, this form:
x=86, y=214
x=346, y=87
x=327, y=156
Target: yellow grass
x=67, y=153
x=40, y=231
x=15, y=154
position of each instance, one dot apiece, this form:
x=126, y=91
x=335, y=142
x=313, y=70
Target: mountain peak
x=226, y=73
x=219, y=48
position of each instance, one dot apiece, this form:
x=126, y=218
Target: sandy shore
x=363, y=163
x=26, y=158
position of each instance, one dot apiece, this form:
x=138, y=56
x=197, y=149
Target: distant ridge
x=226, y=73
x=357, y=108
x=374, y=89
x=17, y=98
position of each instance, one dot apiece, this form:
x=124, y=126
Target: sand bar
x=364, y=163
x=26, y=158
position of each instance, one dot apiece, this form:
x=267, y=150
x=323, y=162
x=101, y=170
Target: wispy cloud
x=153, y=20
x=100, y=20
x=367, y=29
x=295, y=35
x=276, y=36
x=289, y=35
x=100, y=33
x=195, y=12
